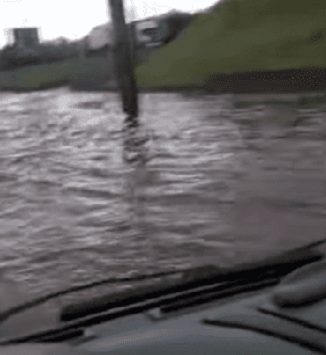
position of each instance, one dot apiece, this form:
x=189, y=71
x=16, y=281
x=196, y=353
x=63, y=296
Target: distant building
x=26, y=37
x=100, y=37
x=151, y=32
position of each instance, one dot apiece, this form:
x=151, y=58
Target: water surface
x=83, y=199
x=75, y=210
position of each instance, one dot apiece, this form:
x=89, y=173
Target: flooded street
x=80, y=201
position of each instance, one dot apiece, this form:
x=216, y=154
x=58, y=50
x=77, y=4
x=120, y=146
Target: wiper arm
x=197, y=285
x=75, y=328
x=271, y=268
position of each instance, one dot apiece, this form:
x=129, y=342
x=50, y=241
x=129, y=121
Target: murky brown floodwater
x=73, y=210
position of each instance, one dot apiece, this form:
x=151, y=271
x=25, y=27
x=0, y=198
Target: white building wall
x=100, y=36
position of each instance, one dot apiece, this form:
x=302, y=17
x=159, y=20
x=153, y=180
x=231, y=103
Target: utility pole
x=123, y=62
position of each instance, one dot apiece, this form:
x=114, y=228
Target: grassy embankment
x=36, y=77
x=93, y=71
x=247, y=37
x=255, y=45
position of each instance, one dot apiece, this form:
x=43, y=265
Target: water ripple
x=72, y=207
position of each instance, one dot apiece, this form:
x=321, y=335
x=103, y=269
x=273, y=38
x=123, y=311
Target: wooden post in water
x=123, y=62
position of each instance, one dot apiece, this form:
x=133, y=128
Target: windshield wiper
x=197, y=285
x=272, y=269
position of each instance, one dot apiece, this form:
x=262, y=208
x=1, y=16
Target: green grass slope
x=92, y=73
x=241, y=36
x=87, y=73
x=37, y=77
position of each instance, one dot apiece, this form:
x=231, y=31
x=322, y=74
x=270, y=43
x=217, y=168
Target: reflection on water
x=83, y=199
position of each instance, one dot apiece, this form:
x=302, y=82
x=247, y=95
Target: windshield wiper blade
x=198, y=285
x=199, y=273
x=274, y=267
x=76, y=328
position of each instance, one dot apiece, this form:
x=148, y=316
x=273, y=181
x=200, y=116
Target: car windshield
x=217, y=175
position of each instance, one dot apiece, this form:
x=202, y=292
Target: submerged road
x=202, y=180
